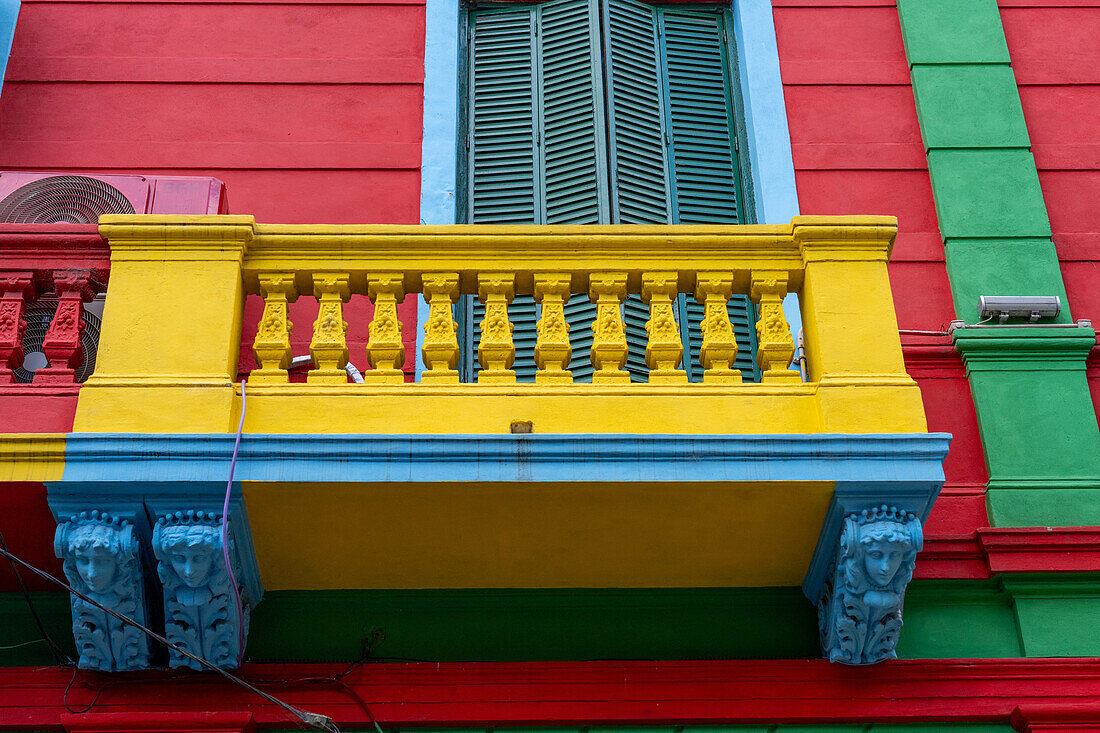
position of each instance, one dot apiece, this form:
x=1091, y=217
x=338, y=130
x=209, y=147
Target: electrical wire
x=313, y=720
x=225, y=531
x=21, y=644
x=58, y=655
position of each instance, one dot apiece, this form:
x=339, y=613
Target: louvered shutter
x=671, y=155
x=545, y=123
x=704, y=171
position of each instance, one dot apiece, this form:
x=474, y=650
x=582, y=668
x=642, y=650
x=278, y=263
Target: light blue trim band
x=766, y=123
x=9, y=13
x=439, y=150
x=765, y=112
x=890, y=460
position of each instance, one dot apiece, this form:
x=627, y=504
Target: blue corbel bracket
x=864, y=560
x=152, y=515
x=204, y=613
x=102, y=558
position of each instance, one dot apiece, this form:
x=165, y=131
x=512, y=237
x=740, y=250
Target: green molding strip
x=1037, y=422
x=1011, y=616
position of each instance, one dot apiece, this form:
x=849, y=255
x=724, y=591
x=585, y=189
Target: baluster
x=385, y=350
x=15, y=289
x=272, y=344
x=719, y=349
x=664, y=348
x=496, y=352
x=552, y=350
x=61, y=344
x=440, y=339
x=774, y=347
x=609, y=347
x=329, y=347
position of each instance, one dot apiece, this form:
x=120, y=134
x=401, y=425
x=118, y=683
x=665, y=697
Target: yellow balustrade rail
x=172, y=324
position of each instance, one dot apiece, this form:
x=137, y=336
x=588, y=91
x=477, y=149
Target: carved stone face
x=882, y=560
x=192, y=564
x=96, y=566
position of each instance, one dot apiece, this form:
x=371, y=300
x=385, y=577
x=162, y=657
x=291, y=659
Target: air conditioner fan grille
x=73, y=199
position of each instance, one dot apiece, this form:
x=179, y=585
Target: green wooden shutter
x=639, y=178
x=538, y=124
x=502, y=111
x=705, y=183
x=699, y=115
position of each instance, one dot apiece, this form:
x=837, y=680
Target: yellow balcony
x=172, y=328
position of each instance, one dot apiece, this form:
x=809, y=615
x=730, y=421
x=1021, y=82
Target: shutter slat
x=637, y=137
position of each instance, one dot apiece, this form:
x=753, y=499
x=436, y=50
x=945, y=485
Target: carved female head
x=98, y=550
x=879, y=548
x=190, y=550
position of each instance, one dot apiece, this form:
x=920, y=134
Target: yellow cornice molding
x=32, y=456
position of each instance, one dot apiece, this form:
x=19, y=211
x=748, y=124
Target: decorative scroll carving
x=101, y=557
x=775, y=347
x=860, y=606
x=609, y=348
x=552, y=350
x=385, y=350
x=329, y=346
x=664, y=349
x=61, y=344
x=719, y=347
x=440, y=337
x=496, y=351
x=272, y=344
x=200, y=608
x=15, y=288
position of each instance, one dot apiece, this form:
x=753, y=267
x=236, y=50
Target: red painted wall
x=858, y=150
x=309, y=111
x=1052, y=44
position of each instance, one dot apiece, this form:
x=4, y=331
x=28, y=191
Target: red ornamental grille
x=73, y=199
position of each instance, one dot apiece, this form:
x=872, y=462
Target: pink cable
x=225, y=532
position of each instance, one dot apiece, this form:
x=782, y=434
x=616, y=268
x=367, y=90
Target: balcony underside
x=523, y=511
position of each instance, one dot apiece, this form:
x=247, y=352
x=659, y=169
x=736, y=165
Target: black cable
x=58, y=655
x=313, y=720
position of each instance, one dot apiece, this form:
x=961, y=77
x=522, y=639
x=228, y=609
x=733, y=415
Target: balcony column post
x=440, y=330
x=15, y=289
x=272, y=344
x=496, y=351
x=774, y=346
x=62, y=342
x=329, y=346
x=385, y=350
x=171, y=331
x=849, y=327
x=718, y=351
x=609, y=347
x=665, y=348
x=553, y=350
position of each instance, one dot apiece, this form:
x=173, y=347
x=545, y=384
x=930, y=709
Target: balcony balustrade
x=48, y=272
x=173, y=327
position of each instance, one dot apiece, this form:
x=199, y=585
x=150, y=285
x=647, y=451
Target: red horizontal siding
x=310, y=112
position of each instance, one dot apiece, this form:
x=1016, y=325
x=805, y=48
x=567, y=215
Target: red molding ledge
x=158, y=722
x=993, y=550
x=1045, y=719
x=1041, y=549
x=575, y=693
x=43, y=248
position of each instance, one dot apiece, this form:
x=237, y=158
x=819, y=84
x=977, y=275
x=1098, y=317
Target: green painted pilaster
x=1038, y=426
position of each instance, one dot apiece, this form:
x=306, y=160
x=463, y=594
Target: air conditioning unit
x=50, y=198
x=47, y=198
